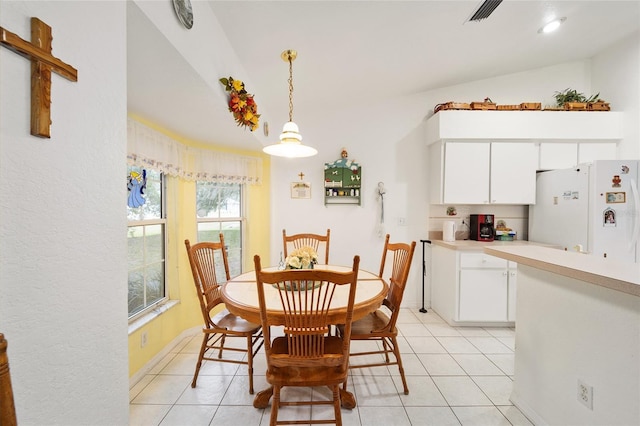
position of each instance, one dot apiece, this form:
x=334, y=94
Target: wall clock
x=184, y=12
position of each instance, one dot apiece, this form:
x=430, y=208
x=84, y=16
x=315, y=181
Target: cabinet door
x=588, y=152
x=483, y=295
x=558, y=155
x=513, y=173
x=466, y=172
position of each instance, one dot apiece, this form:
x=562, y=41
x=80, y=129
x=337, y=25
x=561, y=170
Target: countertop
x=620, y=276
x=480, y=245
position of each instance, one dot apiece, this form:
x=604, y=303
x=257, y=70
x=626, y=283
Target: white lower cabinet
x=483, y=295
x=470, y=287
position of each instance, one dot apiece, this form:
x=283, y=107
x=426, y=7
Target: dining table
x=240, y=295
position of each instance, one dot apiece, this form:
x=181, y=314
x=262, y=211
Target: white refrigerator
x=592, y=208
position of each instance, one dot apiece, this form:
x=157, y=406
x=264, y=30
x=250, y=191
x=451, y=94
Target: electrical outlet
x=143, y=339
x=585, y=394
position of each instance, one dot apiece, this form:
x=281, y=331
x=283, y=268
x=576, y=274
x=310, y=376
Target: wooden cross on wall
x=42, y=63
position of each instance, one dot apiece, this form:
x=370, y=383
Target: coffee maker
x=481, y=227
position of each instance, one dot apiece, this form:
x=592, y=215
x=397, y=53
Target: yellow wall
x=181, y=225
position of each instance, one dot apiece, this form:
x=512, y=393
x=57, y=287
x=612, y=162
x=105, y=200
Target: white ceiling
x=355, y=52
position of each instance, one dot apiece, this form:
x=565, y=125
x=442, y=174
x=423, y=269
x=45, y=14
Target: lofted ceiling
x=352, y=52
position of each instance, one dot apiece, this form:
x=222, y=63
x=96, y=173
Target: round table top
x=240, y=294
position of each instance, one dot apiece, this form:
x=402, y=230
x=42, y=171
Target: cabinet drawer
x=481, y=260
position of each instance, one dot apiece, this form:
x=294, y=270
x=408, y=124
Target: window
x=145, y=239
x=219, y=209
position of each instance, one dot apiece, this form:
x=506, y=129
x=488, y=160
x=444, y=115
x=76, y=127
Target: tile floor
x=456, y=376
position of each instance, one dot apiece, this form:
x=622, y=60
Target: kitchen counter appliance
x=482, y=227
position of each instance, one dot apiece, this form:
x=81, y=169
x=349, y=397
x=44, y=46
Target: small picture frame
x=609, y=218
x=300, y=190
x=616, y=197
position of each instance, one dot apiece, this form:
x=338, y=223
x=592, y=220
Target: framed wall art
x=616, y=197
x=300, y=190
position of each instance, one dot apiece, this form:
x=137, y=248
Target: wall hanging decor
x=380, y=191
x=136, y=184
x=184, y=12
x=241, y=104
x=301, y=189
x=42, y=63
x=342, y=181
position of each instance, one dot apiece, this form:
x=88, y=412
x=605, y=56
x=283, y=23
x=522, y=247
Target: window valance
x=149, y=148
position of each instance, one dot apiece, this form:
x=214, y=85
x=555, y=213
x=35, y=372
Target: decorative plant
x=572, y=95
x=302, y=258
x=241, y=104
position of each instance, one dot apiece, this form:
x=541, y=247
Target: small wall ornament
x=301, y=189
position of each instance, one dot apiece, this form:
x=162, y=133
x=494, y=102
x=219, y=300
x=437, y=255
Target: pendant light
x=290, y=139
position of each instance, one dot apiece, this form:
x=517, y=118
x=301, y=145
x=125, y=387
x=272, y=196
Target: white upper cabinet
x=513, y=173
x=588, y=152
x=557, y=155
x=483, y=173
x=466, y=173
x=592, y=126
x=490, y=157
x=564, y=155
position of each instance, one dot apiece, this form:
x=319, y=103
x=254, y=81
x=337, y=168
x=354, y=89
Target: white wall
x=616, y=76
x=63, y=303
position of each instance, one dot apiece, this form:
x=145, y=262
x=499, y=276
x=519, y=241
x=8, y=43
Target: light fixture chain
x=290, y=88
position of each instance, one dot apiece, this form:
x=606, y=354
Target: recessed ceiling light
x=552, y=26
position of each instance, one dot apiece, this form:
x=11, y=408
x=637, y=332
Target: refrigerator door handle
x=636, y=216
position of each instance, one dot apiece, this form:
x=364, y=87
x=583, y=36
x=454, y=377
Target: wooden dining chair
x=379, y=326
x=306, y=355
x=320, y=243
x=7, y=406
x=209, y=260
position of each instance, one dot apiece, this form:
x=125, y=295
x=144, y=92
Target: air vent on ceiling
x=484, y=10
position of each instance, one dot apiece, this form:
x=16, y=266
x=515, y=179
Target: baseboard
x=528, y=412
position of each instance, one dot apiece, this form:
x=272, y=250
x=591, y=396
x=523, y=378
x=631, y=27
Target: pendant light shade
x=290, y=139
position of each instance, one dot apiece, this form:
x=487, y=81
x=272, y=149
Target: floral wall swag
x=241, y=104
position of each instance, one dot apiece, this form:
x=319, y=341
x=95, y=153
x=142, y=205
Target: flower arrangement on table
x=241, y=104
x=301, y=258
